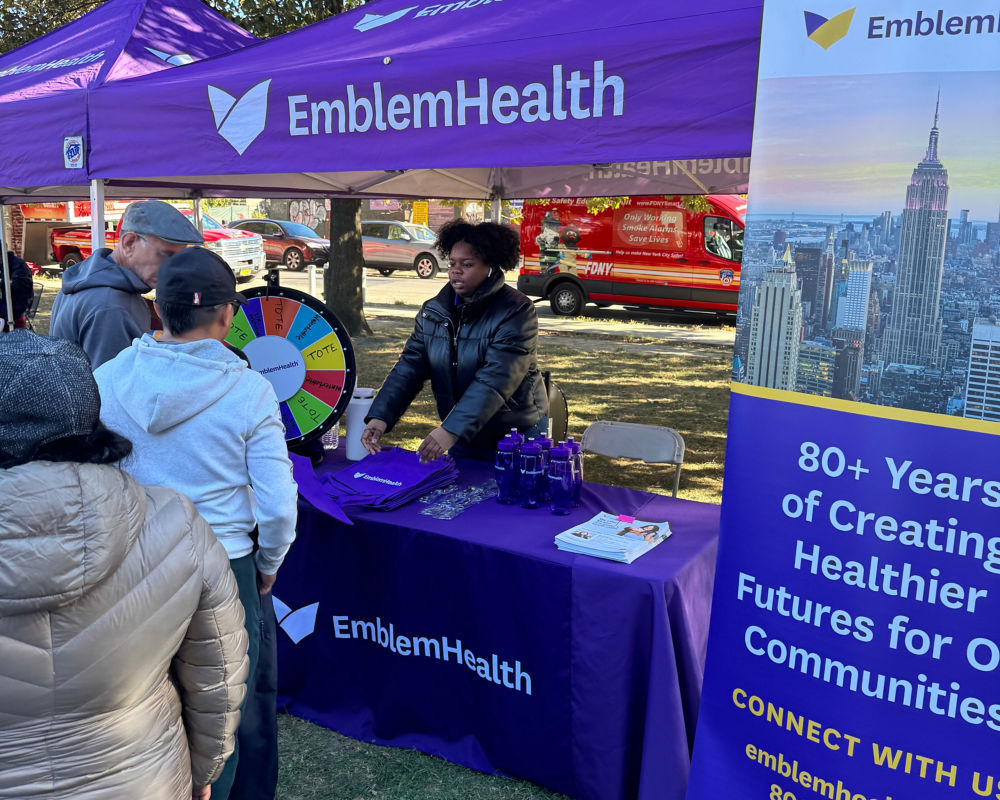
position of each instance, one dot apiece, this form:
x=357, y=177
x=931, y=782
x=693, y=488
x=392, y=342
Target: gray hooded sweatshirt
x=100, y=307
x=203, y=423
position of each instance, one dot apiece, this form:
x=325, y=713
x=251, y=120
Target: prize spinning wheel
x=296, y=342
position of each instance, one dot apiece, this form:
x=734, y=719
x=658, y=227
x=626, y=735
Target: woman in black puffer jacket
x=476, y=343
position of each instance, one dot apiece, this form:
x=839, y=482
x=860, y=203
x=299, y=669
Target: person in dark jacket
x=22, y=289
x=100, y=306
x=475, y=341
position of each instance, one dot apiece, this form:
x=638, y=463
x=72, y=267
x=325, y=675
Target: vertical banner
x=855, y=643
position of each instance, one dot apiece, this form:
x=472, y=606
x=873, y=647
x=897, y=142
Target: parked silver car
x=390, y=245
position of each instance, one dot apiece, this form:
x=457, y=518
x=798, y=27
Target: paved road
x=401, y=295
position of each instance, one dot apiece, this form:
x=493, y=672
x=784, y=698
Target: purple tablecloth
x=476, y=640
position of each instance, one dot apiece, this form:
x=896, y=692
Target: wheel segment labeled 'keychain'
x=296, y=342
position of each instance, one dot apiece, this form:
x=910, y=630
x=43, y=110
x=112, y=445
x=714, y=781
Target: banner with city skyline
x=855, y=643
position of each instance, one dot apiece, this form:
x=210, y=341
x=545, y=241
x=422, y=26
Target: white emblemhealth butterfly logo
x=298, y=624
x=177, y=60
x=369, y=21
x=240, y=121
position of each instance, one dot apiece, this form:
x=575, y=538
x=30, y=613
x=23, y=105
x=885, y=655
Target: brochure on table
x=613, y=536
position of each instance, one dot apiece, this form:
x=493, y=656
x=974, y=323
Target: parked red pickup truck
x=243, y=251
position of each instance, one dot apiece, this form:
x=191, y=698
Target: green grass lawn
x=318, y=764
x=628, y=383
x=632, y=382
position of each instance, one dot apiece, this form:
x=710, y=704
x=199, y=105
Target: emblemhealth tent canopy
x=44, y=85
x=478, y=98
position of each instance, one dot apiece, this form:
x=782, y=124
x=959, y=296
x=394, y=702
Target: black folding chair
x=558, y=409
x=36, y=298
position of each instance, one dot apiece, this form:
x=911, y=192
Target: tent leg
x=196, y=205
x=495, y=205
x=97, y=239
x=8, y=305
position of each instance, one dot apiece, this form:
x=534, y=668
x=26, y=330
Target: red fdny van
x=650, y=252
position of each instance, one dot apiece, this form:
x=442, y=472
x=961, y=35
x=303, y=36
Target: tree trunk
x=343, y=277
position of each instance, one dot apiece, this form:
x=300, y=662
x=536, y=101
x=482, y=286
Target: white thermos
x=354, y=422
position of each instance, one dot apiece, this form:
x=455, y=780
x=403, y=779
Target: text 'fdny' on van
x=650, y=252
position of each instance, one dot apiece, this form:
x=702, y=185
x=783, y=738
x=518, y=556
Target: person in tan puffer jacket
x=122, y=641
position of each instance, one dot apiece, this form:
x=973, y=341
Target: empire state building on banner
x=913, y=331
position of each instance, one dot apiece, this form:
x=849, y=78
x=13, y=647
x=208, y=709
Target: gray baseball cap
x=156, y=218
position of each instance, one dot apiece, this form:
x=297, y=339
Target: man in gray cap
x=100, y=306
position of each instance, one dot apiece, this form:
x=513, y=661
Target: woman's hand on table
x=372, y=435
x=437, y=443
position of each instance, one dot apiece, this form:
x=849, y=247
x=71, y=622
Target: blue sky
x=849, y=144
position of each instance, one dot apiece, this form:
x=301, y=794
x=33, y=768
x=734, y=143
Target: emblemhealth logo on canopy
x=369, y=21
x=175, y=60
x=827, y=32
x=563, y=94
x=240, y=121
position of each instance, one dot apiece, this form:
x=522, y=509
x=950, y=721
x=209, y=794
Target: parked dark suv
x=391, y=245
x=291, y=244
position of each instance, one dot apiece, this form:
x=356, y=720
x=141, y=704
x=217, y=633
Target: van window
x=396, y=232
x=373, y=229
x=723, y=238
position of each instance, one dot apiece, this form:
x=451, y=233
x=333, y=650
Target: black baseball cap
x=196, y=277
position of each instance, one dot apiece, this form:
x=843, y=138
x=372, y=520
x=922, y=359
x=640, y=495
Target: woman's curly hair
x=497, y=245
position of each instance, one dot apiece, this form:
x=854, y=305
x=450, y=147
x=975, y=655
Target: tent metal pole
x=97, y=239
x=680, y=166
x=8, y=301
x=196, y=205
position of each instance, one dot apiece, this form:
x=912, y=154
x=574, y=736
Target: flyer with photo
x=613, y=536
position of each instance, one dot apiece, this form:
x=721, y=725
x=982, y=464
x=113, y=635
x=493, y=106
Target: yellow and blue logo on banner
x=826, y=32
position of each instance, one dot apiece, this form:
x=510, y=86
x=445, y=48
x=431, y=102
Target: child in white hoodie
x=203, y=423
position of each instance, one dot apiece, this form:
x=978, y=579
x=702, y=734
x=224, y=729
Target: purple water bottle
x=546, y=444
x=518, y=439
x=532, y=475
x=577, y=458
x=560, y=475
x=505, y=469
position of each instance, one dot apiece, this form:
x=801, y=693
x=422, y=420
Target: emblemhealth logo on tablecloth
x=298, y=623
x=494, y=669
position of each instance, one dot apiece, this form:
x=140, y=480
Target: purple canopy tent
x=44, y=85
x=44, y=88
x=473, y=99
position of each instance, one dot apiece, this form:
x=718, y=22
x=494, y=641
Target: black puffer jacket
x=480, y=361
